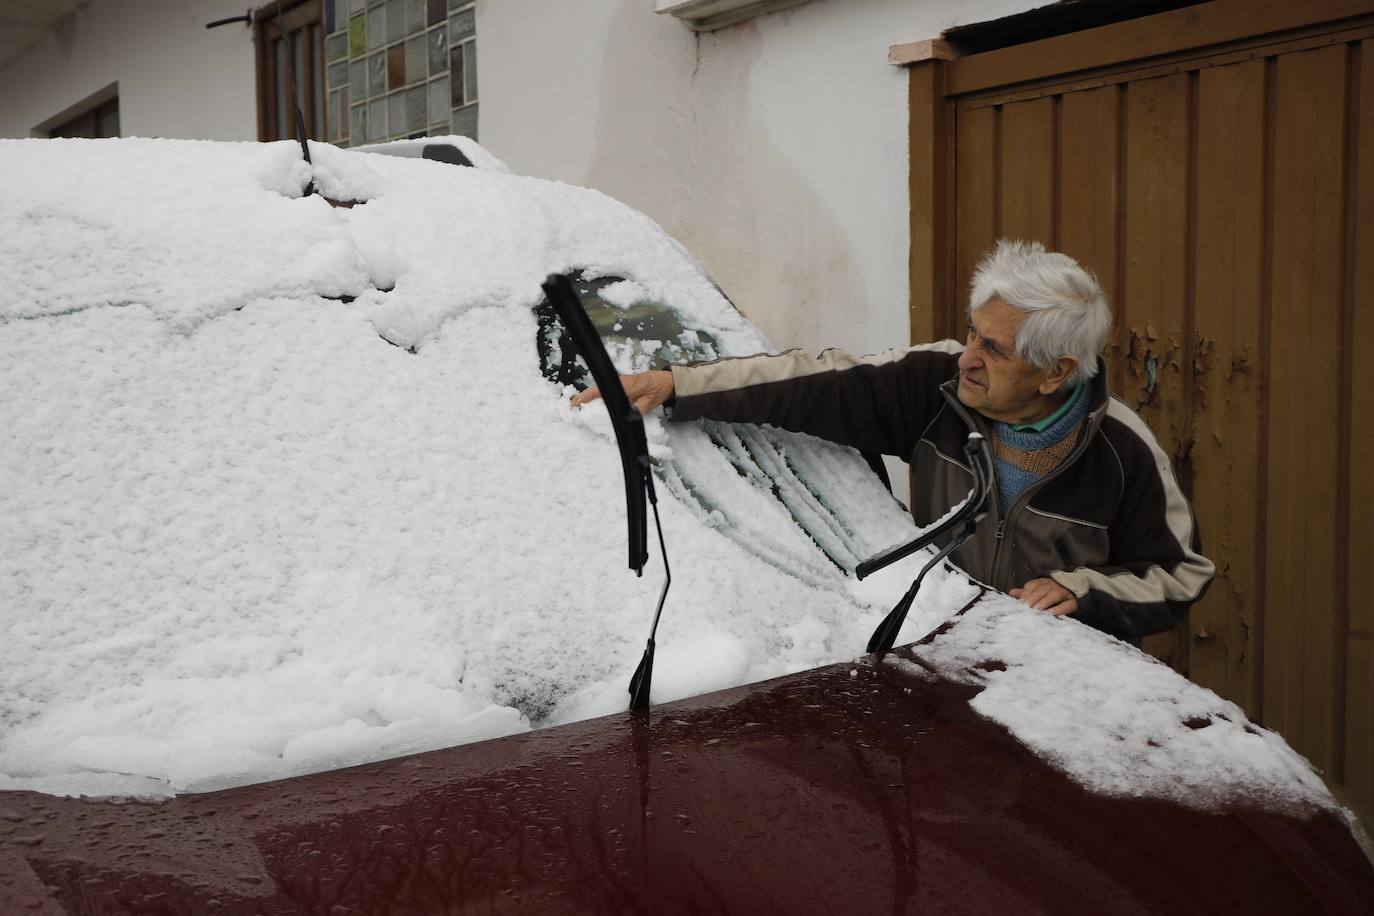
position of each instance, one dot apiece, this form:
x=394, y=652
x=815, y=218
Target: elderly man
x=1087, y=520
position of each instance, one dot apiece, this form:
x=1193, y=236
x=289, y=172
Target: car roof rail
x=420, y=148
x=634, y=458
x=445, y=152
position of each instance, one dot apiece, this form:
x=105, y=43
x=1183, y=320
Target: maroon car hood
x=853, y=788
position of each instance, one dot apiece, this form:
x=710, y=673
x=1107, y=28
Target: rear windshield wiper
x=966, y=520
x=634, y=457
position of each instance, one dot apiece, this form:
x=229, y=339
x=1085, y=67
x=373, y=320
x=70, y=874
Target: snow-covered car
x=313, y=594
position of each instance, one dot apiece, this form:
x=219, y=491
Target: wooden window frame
x=294, y=15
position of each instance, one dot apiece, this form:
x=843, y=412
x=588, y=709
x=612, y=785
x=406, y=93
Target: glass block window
x=396, y=114
x=470, y=71
x=357, y=122
x=438, y=99
x=336, y=47
x=376, y=74
x=376, y=28
x=415, y=16
x=465, y=121
x=396, y=67
x=438, y=52
x=417, y=109
x=395, y=20
x=357, y=36
x=462, y=25
x=376, y=119
x=338, y=74
x=462, y=68
x=417, y=60
x=357, y=78
x=401, y=68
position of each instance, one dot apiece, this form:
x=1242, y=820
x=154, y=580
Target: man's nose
x=970, y=358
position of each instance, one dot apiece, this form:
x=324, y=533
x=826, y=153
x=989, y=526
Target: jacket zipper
x=1025, y=497
x=999, y=535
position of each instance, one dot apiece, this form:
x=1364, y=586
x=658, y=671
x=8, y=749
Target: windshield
x=834, y=510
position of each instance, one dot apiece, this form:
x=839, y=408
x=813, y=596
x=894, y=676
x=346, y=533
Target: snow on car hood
x=249, y=529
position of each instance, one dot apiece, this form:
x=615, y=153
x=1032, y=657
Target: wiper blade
x=634, y=457
x=966, y=520
x=625, y=419
x=975, y=450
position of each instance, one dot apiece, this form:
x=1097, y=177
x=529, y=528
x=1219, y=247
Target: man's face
x=993, y=380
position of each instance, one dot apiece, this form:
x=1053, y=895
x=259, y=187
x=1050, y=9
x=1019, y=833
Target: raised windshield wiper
x=634, y=457
x=966, y=520
x=249, y=18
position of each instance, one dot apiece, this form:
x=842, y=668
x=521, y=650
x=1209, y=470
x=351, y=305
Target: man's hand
x=646, y=390
x=1047, y=595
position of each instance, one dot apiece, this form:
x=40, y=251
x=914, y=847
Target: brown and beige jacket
x=1110, y=524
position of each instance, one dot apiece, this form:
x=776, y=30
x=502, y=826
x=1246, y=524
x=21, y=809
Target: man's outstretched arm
x=876, y=404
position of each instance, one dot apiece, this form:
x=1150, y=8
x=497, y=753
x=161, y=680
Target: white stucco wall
x=775, y=149
x=176, y=79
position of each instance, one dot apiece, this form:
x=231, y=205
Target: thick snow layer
x=1114, y=718
x=249, y=530
x=245, y=537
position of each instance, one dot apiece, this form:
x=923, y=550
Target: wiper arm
x=625, y=419
x=965, y=520
x=634, y=457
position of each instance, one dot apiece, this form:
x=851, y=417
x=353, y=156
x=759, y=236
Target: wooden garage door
x=1224, y=195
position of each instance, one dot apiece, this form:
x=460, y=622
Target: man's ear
x=1063, y=370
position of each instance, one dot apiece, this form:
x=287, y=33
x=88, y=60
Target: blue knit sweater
x=1023, y=454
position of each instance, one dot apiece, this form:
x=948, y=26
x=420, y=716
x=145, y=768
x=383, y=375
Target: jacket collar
x=1097, y=411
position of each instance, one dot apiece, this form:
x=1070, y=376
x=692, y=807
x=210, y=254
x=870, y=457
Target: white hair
x=1067, y=312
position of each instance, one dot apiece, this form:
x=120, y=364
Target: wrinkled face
x=993, y=380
